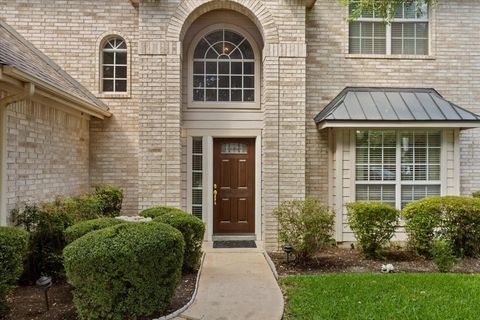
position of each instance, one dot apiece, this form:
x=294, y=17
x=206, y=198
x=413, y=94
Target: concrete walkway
x=236, y=284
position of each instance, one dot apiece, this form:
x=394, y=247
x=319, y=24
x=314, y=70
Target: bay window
x=397, y=166
x=407, y=34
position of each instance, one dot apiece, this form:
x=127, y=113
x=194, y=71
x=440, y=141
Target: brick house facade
x=303, y=57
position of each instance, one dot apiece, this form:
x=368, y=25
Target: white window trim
x=431, y=20
x=224, y=105
x=208, y=136
x=101, y=40
x=398, y=182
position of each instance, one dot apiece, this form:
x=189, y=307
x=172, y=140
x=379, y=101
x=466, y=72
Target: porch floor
x=236, y=284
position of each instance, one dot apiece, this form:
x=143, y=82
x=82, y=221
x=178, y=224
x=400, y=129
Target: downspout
x=27, y=93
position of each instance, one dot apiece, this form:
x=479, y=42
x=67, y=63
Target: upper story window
x=224, y=68
x=114, y=65
x=407, y=34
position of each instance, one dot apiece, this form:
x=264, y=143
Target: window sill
x=113, y=95
x=223, y=105
x=389, y=57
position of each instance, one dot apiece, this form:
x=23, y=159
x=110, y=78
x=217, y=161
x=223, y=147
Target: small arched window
x=223, y=68
x=114, y=65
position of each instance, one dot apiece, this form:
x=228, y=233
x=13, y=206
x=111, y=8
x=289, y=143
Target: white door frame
x=208, y=136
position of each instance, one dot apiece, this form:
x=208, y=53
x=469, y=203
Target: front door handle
x=215, y=194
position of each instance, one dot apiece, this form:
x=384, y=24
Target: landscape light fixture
x=44, y=283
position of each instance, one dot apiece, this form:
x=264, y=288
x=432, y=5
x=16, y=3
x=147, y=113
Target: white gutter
x=27, y=92
x=49, y=90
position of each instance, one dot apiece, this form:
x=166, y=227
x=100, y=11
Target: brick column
x=159, y=124
x=283, y=168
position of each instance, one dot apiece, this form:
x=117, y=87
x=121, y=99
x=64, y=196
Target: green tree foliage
x=382, y=8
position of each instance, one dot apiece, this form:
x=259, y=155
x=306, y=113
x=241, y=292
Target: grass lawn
x=382, y=296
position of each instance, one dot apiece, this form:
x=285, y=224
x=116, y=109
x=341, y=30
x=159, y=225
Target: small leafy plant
x=443, y=255
x=374, y=224
x=307, y=225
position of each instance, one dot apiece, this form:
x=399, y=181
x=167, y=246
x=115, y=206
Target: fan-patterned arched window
x=223, y=68
x=114, y=65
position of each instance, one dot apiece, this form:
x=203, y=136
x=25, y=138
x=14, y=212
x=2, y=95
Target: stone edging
x=178, y=312
x=271, y=264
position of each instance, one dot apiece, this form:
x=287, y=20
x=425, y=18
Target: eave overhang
x=19, y=78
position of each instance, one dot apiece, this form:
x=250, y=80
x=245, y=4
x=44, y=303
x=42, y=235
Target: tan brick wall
x=68, y=32
x=47, y=153
x=141, y=148
x=453, y=70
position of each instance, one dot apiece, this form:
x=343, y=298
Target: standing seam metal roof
x=392, y=104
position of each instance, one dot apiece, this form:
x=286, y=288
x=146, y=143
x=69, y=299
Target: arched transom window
x=114, y=65
x=223, y=68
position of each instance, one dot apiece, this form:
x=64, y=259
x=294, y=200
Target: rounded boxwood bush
x=13, y=248
x=159, y=211
x=193, y=230
x=82, y=228
x=125, y=271
x=374, y=224
x=452, y=218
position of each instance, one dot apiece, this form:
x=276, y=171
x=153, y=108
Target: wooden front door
x=234, y=185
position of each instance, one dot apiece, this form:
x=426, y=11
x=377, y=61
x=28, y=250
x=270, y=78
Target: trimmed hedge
x=374, y=224
x=193, y=230
x=452, y=218
x=82, y=228
x=125, y=271
x=158, y=211
x=13, y=248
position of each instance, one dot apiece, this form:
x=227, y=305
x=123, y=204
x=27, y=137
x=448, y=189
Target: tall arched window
x=223, y=68
x=114, y=65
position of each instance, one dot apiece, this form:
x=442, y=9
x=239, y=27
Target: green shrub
x=89, y=207
x=112, y=198
x=82, y=228
x=13, y=247
x=374, y=225
x=46, y=224
x=476, y=194
x=125, y=271
x=192, y=230
x=443, y=255
x=158, y=211
x=306, y=225
x=453, y=218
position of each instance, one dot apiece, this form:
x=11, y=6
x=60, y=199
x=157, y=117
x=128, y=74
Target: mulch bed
x=336, y=259
x=27, y=302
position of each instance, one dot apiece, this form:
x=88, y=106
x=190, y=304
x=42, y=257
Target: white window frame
x=398, y=182
x=388, y=31
x=216, y=105
x=114, y=65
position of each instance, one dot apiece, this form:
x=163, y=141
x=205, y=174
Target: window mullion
x=398, y=176
x=389, y=38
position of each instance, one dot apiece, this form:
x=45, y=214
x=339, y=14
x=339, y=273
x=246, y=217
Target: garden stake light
x=44, y=283
x=287, y=248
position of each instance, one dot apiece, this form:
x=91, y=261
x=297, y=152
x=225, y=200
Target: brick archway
x=189, y=10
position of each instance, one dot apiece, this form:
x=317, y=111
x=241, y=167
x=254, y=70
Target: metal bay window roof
x=400, y=107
